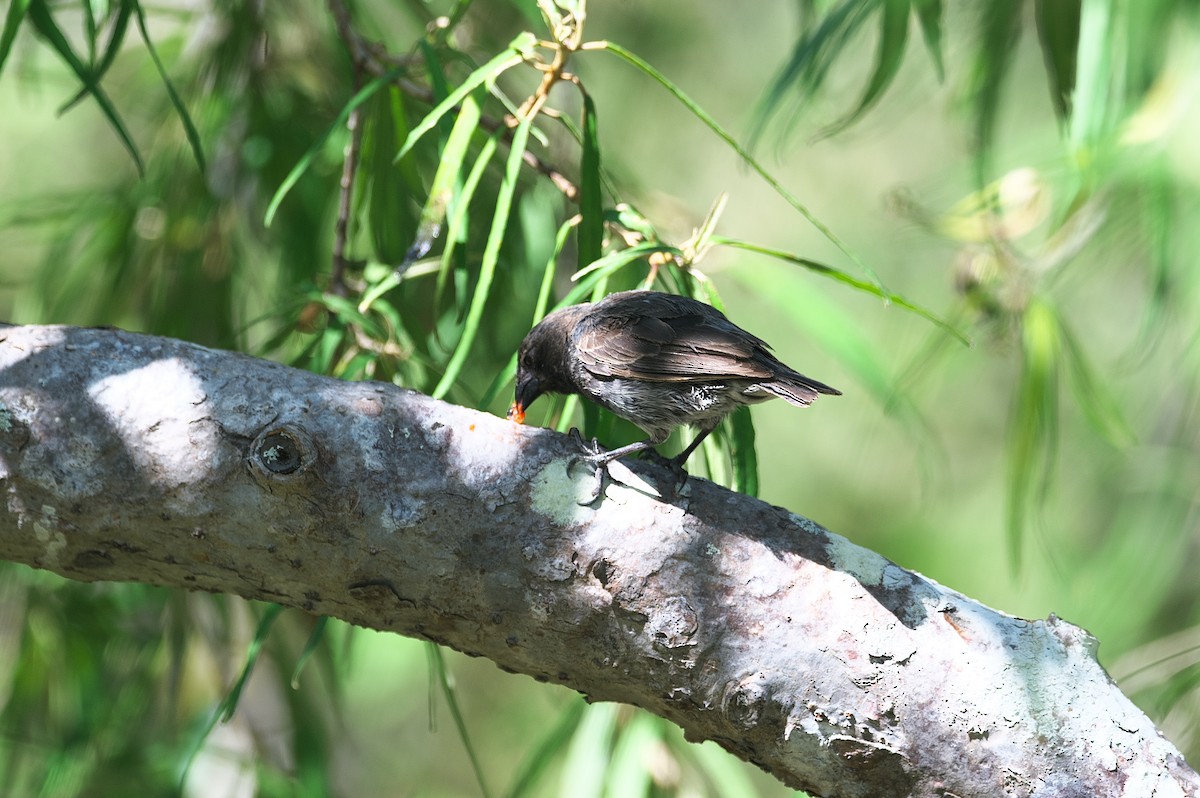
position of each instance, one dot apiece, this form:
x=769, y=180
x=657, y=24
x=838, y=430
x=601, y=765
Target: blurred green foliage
x=398, y=191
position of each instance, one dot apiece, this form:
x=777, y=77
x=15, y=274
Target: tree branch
x=127, y=457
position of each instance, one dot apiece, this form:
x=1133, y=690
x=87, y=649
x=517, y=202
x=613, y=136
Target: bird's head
x=543, y=362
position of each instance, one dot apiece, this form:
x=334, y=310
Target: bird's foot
x=595, y=456
x=679, y=474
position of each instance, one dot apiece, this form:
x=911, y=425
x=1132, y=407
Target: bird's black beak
x=528, y=389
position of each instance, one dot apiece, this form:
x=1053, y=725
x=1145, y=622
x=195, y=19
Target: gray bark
x=128, y=457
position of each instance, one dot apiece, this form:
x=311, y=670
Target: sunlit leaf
x=491, y=256
x=1093, y=98
x=590, y=752
x=628, y=772
x=449, y=173
x=512, y=56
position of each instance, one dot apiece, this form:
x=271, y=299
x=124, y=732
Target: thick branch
x=135, y=458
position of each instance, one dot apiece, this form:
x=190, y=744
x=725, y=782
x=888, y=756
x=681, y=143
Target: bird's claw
x=593, y=455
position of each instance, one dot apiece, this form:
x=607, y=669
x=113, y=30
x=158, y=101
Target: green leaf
x=836, y=331
x=1033, y=433
x=929, y=13
x=615, y=260
x=893, y=37
x=846, y=279
x=741, y=151
x=509, y=371
x=1001, y=24
x=115, y=39
x=1099, y=405
x=742, y=452
x=628, y=773
x=438, y=667
x=390, y=213
x=491, y=256
x=310, y=647
x=12, y=23
x=590, y=751
x=1093, y=97
x=591, y=228
x=811, y=59
x=456, y=233
x=228, y=705
x=1058, y=33
x=449, y=173
x=360, y=97
x=39, y=15
x=189, y=127
x=513, y=55
x=535, y=764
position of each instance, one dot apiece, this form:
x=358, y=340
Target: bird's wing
x=656, y=338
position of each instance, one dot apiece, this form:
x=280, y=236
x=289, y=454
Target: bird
x=657, y=360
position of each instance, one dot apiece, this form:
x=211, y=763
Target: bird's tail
x=798, y=389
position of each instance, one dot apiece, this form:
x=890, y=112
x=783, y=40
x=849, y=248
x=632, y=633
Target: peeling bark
x=128, y=457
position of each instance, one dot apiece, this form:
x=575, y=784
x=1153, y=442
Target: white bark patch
x=154, y=410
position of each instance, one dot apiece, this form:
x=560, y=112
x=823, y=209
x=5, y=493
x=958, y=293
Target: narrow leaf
x=741, y=151
x=189, y=127
x=40, y=15
x=12, y=23
x=310, y=647
x=893, y=38
x=488, y=72
x=390, y=210
x=363, y=94
x=448, y=692
x=491, y=256
x=1099, y=405
x=840, y=276
x=535, y=764
x=929, y=14
x=1058, y=33
x=742, y=452
x=1033, y=430
x=448, y=173
x=591, y=227
x=1001, y=29
x=115, y=39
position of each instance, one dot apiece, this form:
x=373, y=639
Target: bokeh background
x=1026, y=172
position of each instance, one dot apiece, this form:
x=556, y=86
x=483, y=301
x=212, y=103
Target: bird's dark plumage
x=657, y=360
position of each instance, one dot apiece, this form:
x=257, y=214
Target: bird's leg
x=598, y=457
x=677, y=462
